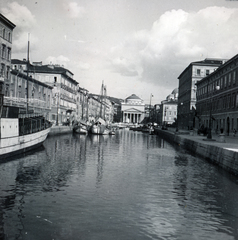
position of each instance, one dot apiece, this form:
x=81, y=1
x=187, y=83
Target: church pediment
x=132, y=110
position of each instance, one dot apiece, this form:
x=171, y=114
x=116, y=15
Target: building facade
x=133, y=109
x=168, y=109
x=39, y=97
x=66, y=88
x=217, y=98
x=188, y=88
x=101, y=106
x=6, y=32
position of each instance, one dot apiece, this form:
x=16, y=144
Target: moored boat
x=99, y=127
x=80, y=127
x=112, y=131
x=21, y=132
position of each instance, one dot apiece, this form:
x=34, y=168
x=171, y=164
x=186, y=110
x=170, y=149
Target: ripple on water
x=127, y=186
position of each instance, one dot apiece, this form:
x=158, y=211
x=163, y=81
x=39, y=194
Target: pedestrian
x=234, y=132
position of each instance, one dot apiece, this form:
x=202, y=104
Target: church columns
x=132, y=117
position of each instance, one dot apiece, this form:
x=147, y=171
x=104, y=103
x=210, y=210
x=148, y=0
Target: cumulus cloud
x=24, y=21
x=124, y=66
x=74, y=10
x=61, y=60
x=176, y=39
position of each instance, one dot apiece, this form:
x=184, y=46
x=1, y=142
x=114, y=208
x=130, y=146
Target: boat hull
x=80, y=130
x=19, y=144
x=100, y=130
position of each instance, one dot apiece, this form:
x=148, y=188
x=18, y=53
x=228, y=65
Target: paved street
x=230, y=143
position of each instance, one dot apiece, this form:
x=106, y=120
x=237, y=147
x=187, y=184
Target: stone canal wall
x=227, y=159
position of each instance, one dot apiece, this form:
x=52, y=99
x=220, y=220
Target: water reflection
x=98, y=142
x=127, y=186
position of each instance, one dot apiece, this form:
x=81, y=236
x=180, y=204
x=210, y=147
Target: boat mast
x=27, y=80
x=101, y=98
x=104, y=97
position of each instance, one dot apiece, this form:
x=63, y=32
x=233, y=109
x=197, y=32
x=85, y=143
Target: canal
x=127, y=186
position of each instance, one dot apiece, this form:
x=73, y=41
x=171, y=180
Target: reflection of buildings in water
x=96, y=139
x=95, y=145
x=180, y=181
x=80, y=151
x=17, y=175
x=100, y=162
x=153, y=141
x=205, y=193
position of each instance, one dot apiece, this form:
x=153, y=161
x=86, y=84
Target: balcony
x=22, y=102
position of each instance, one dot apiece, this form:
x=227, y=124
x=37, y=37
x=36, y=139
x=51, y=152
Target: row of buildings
x=207, y=93
x=207, y=96
x=52, y=91
x=46, y=89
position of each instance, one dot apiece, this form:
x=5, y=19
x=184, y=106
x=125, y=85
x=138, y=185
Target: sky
x=133, y=46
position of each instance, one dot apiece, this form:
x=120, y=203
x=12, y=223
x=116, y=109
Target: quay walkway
x=221, y=150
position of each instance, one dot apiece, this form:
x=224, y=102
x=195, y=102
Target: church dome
x=133, y=97
x=175, y=91
x=170, y=97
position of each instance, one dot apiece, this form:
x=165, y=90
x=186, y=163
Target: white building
x=133, y=109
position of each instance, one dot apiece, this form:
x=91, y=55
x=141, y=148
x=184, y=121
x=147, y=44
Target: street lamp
x=151, y=95
x=55, y=92
x=209, y=135
x=164, y=114
x=165, y=110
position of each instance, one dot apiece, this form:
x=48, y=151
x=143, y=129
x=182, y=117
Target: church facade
x=133, y=109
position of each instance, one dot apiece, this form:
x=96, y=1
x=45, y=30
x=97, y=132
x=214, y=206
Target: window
x=2, y=70
x=234, y=77
x=9, y=37
x=3, y=33
x=225, y=81
x=207, y=72
x=8, y=73
x=11, y=93
x=229, y=101
x=6, y=92
x=9, y=54
x=3, y=51
x=233, y=100
x=19, y=82
x=13, y=77
x=229, y=79
x=198, y=72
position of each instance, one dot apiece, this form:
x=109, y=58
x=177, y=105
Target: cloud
x=177, y=38
x=74, y=10
x=83, y=66
x=24, y=21
x=61, y=60
x=124, y=66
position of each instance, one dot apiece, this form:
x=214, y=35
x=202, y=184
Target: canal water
x=127, y=186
